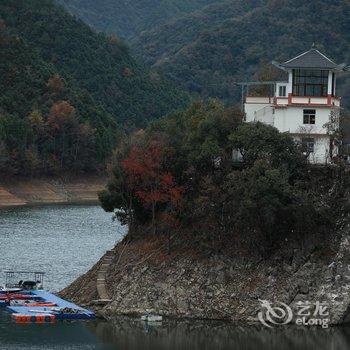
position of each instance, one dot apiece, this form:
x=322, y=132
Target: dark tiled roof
x=311, y=59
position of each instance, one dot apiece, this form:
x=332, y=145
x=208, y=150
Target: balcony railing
x=259, y=100
x=329, y=101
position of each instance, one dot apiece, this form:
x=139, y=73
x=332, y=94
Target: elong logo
x=277, y=315
x=307, y=314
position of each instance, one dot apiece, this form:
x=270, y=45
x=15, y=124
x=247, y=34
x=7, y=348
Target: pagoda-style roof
x=312, y=59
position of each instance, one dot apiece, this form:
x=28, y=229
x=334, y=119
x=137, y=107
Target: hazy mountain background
x=209, y=49
x=129, y=18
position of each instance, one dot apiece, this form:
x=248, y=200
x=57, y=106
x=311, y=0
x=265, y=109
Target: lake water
x=65, y=241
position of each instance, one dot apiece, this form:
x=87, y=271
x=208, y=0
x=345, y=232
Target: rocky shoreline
x=142, y=277
x=55, y=190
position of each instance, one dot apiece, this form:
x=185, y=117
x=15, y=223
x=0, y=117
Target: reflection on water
x=62, y=335
x=64, y=241
x=199, y=335
x=129, y=334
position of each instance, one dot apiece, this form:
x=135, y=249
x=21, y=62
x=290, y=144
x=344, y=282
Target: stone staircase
x=102, y=290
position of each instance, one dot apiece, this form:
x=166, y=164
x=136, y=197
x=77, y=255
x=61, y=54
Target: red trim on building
x=304, y=104
x=329, y=101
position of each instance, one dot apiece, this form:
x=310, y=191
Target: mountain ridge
x=245, y=38
x=208, y=49
x=128, y=19
x=58, y=77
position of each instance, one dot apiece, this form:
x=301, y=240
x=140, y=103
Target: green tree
x=257, y=141
x=257, y=204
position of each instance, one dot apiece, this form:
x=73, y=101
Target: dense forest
x=231, y=40
x=129, y=18
x=66, y=91
x=206, y=51
x=177, y=179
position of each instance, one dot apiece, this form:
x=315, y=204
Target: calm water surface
x=65, y=241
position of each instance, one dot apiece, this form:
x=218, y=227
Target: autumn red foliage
x=150, y=183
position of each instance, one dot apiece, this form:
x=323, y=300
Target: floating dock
x=28, y=302
x=50, y=308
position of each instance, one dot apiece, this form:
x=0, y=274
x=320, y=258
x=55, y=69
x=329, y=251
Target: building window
x=282, y=92
x=309, y=116
x=310, y=82
x=308, y=145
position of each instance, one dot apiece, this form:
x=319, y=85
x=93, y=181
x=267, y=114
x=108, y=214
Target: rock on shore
x=184, y=285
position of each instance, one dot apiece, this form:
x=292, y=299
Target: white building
x=306, y=105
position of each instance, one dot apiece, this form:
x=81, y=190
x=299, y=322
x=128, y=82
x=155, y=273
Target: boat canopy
x=13, y=279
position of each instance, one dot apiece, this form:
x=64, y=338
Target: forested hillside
x=229, y=41
x=209, y=49
x=66, y=91
x=129, y=18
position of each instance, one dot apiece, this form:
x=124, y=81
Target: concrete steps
x=103, y=294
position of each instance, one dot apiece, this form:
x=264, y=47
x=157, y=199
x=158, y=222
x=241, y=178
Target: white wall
x=291, y=120
x=251, y=108
x=321, y=153
x=290, y=82
x=329, y=92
